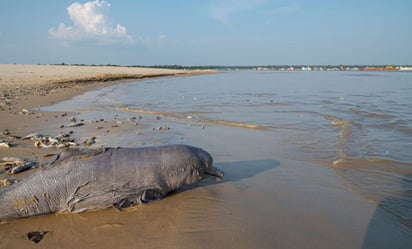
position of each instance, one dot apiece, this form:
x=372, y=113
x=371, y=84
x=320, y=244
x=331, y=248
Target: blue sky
x=206, y=32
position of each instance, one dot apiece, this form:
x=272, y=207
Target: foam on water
x=190, y=115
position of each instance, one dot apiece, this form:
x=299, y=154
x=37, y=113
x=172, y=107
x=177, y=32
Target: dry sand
x=37, y=75
x=260, y=204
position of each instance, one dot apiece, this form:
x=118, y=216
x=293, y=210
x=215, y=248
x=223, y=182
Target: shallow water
x=358, y=123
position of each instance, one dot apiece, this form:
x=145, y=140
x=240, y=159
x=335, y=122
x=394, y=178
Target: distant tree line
x=236, y=67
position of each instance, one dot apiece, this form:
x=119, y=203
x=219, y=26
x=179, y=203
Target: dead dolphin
x=79, y=180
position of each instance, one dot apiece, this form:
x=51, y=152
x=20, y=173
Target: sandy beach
x=26, y=87
x=273, y=203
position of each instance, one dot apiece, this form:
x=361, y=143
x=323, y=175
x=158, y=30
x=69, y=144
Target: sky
x=206, y=32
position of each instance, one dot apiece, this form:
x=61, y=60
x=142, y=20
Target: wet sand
x=262, y=202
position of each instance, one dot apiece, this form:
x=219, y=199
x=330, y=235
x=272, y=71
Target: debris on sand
x=60, y=141
x=15, y=165
x=162, y=128
x=7, y=182
x=89, y=141
x=36, y=236
x=26, y=112
x=4, y=145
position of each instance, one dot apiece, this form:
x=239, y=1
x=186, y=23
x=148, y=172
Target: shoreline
x=25, y=88
x=261, y=203
x=19, y=79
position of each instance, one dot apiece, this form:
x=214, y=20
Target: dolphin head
x=205, y=167
x=192, y=165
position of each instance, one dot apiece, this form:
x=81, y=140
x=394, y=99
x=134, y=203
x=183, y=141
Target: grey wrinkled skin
x=81, y=180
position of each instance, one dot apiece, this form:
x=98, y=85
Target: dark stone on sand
x=36, y=236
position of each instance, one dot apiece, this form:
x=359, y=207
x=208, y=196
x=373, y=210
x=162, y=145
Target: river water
x=358, y=123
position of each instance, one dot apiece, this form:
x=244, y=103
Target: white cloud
x=90, y=23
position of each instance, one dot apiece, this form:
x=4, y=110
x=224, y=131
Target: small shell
x=11, y=159
x=53, y=140
x=65, y=145
x=25, y=111
x=4, y=145
x=39, y=144
x=33, y=136
x=71, y=144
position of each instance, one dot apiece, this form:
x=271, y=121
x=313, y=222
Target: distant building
x=405, y=68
